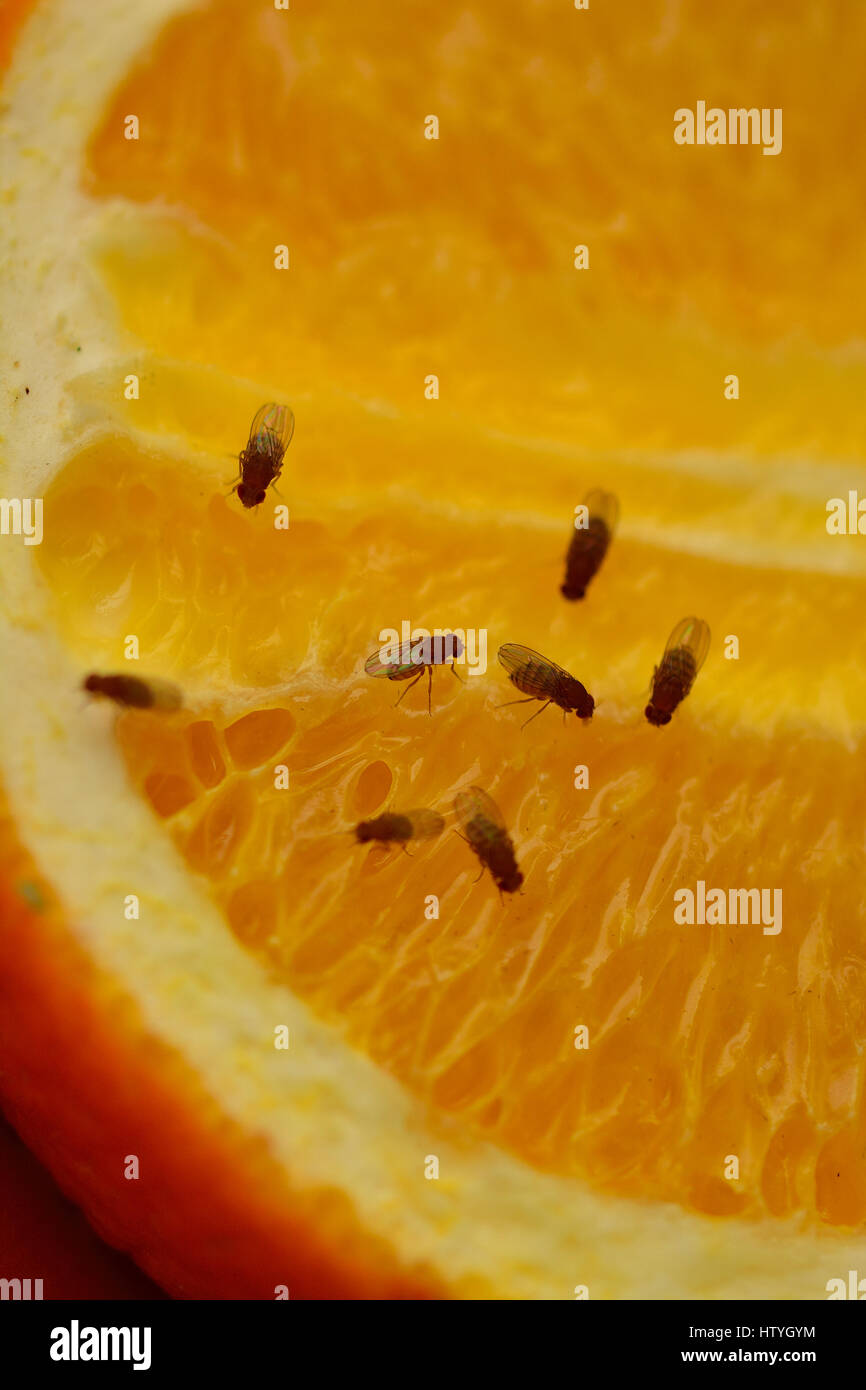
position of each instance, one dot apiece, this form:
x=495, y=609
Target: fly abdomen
x=393, y=827
x=588, y=545
x=482, y=834
x=671, y=684
x=680, y=666
x=386, y=828
x=585, y=554
x=536, y=677
x=134, y=692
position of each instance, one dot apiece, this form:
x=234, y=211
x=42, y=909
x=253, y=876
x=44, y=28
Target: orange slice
x=541, y=1097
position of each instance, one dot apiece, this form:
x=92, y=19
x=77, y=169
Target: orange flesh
x=705, y=1041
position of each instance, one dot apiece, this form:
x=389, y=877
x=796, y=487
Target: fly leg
x=429, y=689
x=472, y=847
x=240, y=458
x=536, y=714
x=517, y=702
x=239, y=479
x=409, y=686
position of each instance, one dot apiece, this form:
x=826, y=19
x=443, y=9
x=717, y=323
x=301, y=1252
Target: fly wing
x=425, y=824
x=476, y=802
x=538, y=675
x=272, y=429
x=395, y=663
x=166, y=695
x=694, y=635
x=375, y=666
x=604, y=505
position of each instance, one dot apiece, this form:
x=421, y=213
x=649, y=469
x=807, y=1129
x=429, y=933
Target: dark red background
x=44, y=1236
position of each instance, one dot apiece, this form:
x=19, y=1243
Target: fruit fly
x=413, y=659
x=261, y=462
x=589, y=544
x=684, y=656
x=395, y=828
x=540, y=679
x=134, y=692
x=485, y=830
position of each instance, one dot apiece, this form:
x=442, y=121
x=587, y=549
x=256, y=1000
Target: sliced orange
x=179, y=888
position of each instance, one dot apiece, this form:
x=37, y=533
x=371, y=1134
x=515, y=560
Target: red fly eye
x=260, y=497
